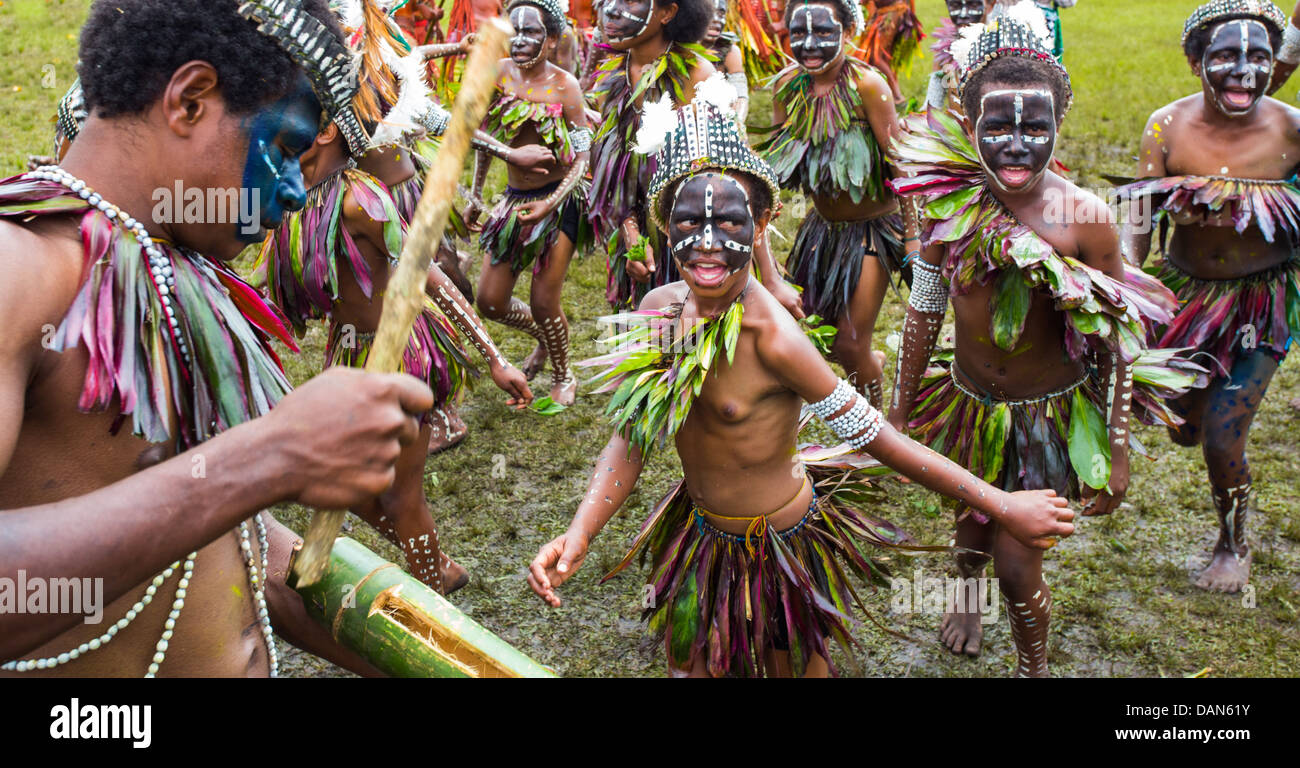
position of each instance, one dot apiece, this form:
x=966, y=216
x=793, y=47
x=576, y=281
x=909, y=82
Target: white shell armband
x=580, y=139
x=928, y=292
x=1289, y=53
x=435, y=120
x=857, y=426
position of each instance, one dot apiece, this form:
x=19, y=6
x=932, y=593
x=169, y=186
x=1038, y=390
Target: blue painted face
x=277, y=134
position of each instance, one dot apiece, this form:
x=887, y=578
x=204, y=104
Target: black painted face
x=816, y=36
x=278, y=134
x=711, y=230
x=528, y=46
x=1015, y=135
x=1237, y=65
x=627, y=21
x=716, y=25
x=963, y=12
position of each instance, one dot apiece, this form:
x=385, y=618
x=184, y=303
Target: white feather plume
x=351, y=14
x=564, y=6
x=412, y=98
x=1029, y=14
x=961, y=47
x=718, y=92
x=658, y=119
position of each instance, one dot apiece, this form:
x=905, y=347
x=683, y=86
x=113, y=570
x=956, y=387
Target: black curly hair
x=1199, y=39
x=1017, y=72
x=691, y=21
x=554, y=26
x=130, y=49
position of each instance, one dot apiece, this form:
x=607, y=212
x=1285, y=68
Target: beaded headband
x=1012, y=34
x=704, y=138
x=550, y=7
x=1211, y=12
x=323, y=57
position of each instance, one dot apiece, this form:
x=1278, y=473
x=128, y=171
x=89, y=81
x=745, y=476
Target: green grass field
x=1124, y=602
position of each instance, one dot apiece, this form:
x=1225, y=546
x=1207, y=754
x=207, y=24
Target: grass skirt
x=1015, y=445
x=728, y=600
x=527, y=245
x=1216, y=316
x=433, y=353
x=826, y=259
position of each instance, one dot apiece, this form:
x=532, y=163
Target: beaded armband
x=435, y=120
x=928, y=293
x=580, y=139
x=490, y=148
x=857, y=426
x=1289, y=53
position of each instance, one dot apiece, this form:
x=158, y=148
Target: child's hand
x=1036, y=518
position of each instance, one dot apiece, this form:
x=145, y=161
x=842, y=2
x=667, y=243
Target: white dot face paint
x=816, y=37
x=626, y=20
x=528, y=46
x=1015, y=135
x=711, y=229
x=1237, y=65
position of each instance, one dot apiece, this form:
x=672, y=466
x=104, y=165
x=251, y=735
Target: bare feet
x=454, y=575
x=565, y=391
x=961, y=633
x=1227, y=571
x=449, y=429
x=534, y=363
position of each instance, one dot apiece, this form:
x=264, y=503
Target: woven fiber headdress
x=698, y=137
x=327, y=62
x=1021, y=30
x=1211, y=12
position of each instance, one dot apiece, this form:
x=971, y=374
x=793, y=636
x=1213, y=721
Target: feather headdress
x=701, y=135
x=1019, y=30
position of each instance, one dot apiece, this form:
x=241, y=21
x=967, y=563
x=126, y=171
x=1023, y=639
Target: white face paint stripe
x=810, y=43
x=1248, y=81
x=1019, y=94
x=706, y=236
x=1020, y=110
x=517, y=19
x=612, y=9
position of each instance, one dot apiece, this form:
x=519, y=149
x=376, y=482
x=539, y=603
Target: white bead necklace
x=257, y=580
x=160, y=270
x=27, y=665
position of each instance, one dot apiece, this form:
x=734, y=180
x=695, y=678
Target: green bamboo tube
x=401, y=626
